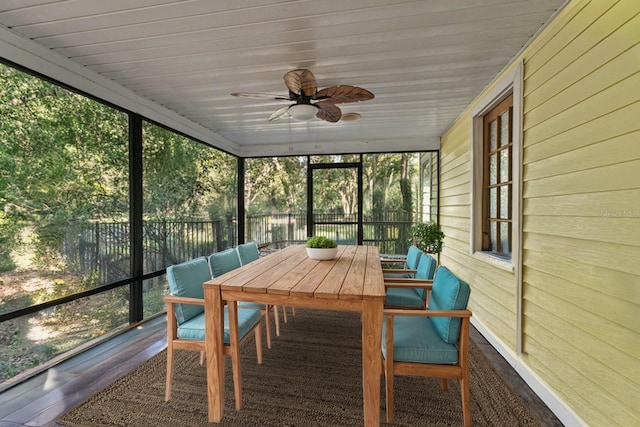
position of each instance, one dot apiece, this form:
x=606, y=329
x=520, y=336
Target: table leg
x=235, y=352
x=371, y=360
x=214, y=327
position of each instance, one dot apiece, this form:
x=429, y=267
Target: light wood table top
x=353, y=281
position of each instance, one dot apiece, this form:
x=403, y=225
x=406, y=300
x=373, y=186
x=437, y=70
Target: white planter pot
x=322, y=253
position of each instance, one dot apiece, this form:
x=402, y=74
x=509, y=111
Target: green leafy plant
x=428, y=237
x=320, y=242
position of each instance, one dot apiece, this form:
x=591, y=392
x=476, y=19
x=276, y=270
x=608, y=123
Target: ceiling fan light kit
x=303, y=112
x=303, y=89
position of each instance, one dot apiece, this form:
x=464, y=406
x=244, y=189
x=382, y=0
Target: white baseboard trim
x=561, y=410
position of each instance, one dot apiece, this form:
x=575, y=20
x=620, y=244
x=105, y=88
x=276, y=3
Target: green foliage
x=184, y=179
x=62, y=156
x=8, y=233
x=275, y=184
x=427, y=237
x=48, y=243
x=320, y=242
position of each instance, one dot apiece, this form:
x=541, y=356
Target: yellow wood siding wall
x=581, y=213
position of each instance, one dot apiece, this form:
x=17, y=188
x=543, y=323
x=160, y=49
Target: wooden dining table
x=352, y=281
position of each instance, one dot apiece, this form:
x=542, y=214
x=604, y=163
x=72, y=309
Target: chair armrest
x=393, y=260
x=409, y=284
x=172, y=299
x=427, y=313
x=407, y=280
x=399, y=270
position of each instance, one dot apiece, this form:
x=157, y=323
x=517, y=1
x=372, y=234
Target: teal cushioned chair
x=226, y=261
x=412, y=293
x=248, y=252
x=408, y=267
x=185, y=320
x=432, y=342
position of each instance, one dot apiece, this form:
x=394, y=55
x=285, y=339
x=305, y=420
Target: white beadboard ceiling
x=177, y=62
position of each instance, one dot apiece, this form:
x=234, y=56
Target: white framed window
x=497, y=172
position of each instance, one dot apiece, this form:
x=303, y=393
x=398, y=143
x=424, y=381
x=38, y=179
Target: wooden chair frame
x=459, y=371
x=175, y=343
x=409, y=283
x=396, y=259
x=267, y=322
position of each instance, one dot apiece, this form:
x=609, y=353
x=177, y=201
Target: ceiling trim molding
x=320, y=148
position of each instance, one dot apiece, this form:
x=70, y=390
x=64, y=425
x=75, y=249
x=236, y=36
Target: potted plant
x=320, y=247
x=428, y=237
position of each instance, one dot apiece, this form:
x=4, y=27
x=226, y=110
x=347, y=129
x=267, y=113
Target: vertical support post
x=240, y=213
x=360, y=203
x=135, y=218
x=310, y=222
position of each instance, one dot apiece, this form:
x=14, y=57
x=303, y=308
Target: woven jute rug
x=311, y=377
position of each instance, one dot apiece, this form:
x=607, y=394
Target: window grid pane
x=504, y=129
x=493, y=136
x=498, y=179
x=493, y=203
x=493, y=169
x=505, y=232
x=505, y=160
x=504, y=202
x=493, y=236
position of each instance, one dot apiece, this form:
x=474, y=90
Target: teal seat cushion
x=254, y=305
x=193, y=329
x=248, y=252
x=448, y=293
x=185, y=280
x=223, y=262
x=402, y=297
x=416, y=340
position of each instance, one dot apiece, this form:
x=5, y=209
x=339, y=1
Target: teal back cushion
x=223, y=262
x=413, y=257
x=426, y=270
x=426, y=267
x=248, y=252
x=448, y=293
x=185, y=280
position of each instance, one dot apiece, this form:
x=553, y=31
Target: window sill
x=487, y=257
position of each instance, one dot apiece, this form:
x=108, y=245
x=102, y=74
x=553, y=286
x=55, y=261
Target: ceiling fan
x=303, y=89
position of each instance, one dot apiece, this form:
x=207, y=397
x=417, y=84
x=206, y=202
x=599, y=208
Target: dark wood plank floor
x=40, y=400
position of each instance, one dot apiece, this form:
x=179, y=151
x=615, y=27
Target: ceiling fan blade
x=348, y=117
x=279, y=113
x=301, y=82
x=260, y=96
x=328, y=111
x=343, y=94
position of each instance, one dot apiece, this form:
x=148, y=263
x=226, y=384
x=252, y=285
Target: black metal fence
x=101, y=250
x=390, y=231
